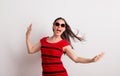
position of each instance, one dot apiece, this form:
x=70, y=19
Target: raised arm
x=31, y=49
x=70, y=53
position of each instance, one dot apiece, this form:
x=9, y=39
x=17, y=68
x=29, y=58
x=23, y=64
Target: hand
x=29, y=29
x=97, y=57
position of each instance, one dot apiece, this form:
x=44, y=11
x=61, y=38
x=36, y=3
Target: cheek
x=64, y=29
x=53, y=28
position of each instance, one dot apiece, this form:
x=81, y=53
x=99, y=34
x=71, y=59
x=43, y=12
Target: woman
x=53, y=47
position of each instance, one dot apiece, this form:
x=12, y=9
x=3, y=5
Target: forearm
x=83, y=60
x=88, y=60
x=70, y=53
x=29, y=45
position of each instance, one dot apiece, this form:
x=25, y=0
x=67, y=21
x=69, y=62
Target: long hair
x=68, y=33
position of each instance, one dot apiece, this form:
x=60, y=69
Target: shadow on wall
x=17, y=62
x=20, y=63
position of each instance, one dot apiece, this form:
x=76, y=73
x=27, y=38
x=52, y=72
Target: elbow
x=30, y=52
x=75, y=60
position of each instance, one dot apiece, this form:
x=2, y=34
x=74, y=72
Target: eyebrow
x=59, y=22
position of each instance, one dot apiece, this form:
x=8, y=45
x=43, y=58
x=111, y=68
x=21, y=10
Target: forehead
x=60, y=21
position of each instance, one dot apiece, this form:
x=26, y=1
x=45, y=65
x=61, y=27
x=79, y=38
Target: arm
x=31, y=49
x=70, y=53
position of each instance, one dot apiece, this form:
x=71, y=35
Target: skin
x=58, y=30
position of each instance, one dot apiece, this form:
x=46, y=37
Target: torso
x=51, y=57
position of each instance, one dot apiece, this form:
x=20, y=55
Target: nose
x=59, y=26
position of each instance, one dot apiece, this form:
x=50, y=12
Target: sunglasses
x=58, y=24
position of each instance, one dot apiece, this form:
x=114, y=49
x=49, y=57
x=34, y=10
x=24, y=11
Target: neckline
x=46, y=39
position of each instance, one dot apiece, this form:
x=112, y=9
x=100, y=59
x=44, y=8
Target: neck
x=53, y=39
x=56, y=37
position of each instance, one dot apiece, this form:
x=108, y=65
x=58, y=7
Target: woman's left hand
x=97, y=57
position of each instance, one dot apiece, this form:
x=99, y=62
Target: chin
x=58, y=34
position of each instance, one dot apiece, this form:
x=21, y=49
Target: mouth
x=58, y=30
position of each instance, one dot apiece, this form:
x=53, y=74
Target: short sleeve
x=42, y=40
x=65, y=43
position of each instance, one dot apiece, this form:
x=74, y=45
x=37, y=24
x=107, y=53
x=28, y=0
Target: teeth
x=59, y=30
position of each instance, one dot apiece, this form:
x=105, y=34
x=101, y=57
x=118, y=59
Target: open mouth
x=58, y=30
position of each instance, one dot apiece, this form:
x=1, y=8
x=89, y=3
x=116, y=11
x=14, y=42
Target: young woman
x=53, y=47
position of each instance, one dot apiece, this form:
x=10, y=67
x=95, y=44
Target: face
x=59, y=27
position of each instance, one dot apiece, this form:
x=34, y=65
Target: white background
x=97, y=20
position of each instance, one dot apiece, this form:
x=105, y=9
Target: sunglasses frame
x=58, y=24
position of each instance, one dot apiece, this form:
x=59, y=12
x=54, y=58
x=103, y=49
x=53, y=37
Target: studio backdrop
x=97, y=20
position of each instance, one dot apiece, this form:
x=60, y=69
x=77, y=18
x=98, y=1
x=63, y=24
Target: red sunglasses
x=58, y=24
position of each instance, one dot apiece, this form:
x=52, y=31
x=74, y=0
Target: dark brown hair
x=68, y=32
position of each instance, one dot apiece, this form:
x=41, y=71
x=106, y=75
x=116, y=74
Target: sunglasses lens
x=57, y=24
x=62, y=25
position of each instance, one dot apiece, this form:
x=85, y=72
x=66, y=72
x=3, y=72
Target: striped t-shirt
x=51, y=57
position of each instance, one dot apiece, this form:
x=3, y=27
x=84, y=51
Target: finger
x=98, y=57
x=30, y=25
x=101, y=54
x=95, y=58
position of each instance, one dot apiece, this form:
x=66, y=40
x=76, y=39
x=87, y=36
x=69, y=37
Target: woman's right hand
x=29, y=29
x=31, y=48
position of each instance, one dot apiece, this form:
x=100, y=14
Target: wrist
x=91, y=60
x=27, y=38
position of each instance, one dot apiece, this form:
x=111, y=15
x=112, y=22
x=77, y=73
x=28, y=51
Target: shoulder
x=65, y=42
x=43, y=38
